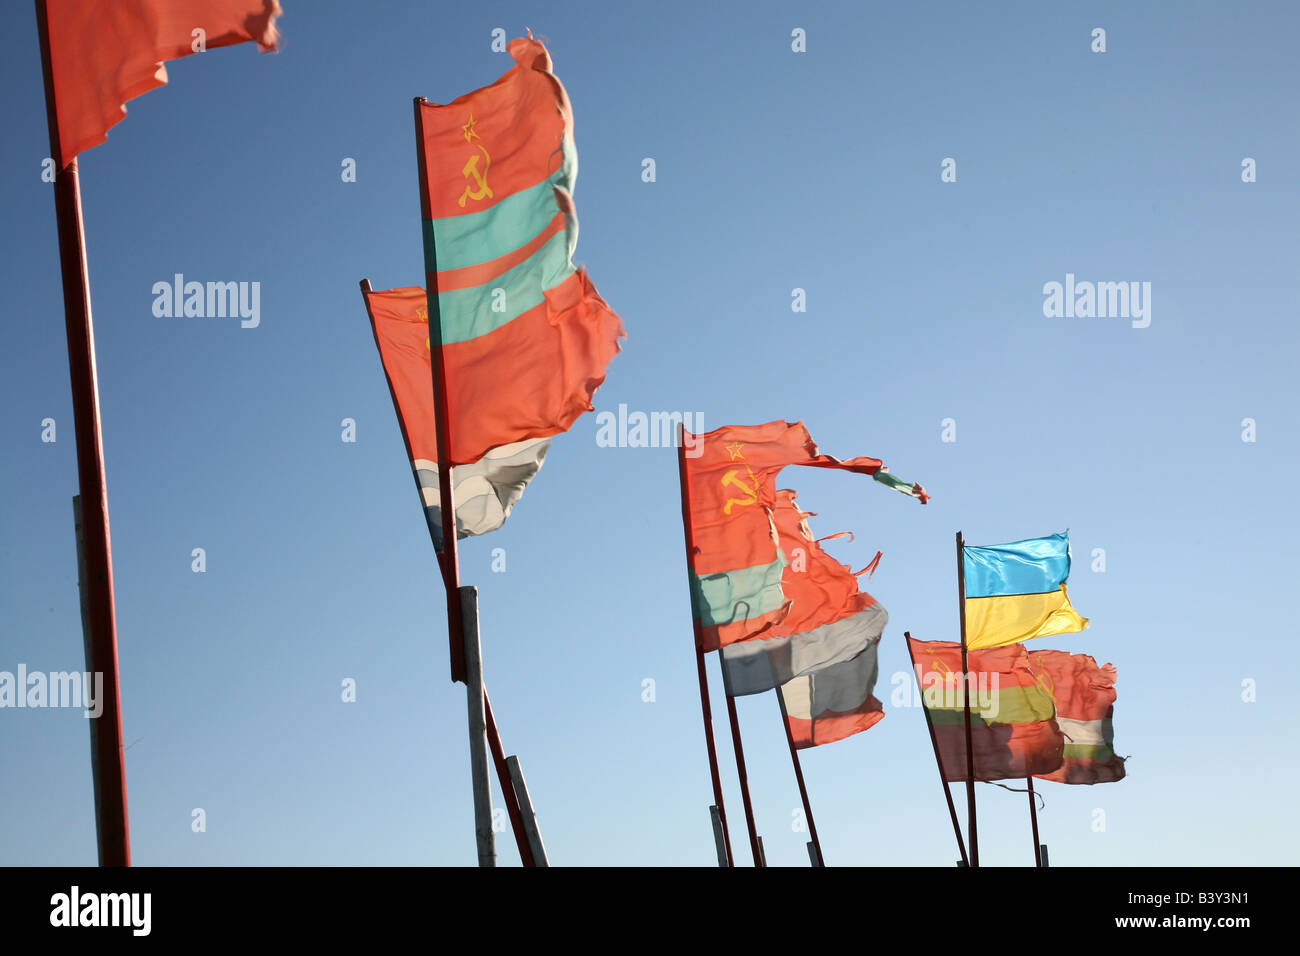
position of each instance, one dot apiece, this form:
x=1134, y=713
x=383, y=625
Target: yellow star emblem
x=734, y=448
x=469, y=130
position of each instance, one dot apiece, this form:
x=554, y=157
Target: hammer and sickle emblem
x=480, y=189
x=730, y=479
x=1044, y=680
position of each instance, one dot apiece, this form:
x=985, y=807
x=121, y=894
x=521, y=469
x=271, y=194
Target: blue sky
x=775, y=170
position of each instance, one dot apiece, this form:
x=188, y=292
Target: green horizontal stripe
x=1008, y=705
x=739, y=595
x=1088, y=752
x=888, y=479
x=468, y=313
x=500, y=229
x=954, y=718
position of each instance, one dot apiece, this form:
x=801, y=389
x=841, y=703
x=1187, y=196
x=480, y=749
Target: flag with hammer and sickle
x=1014, y=731
x=736, y=568
x=525, y=336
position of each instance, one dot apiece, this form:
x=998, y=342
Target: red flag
x=737, y=565
x=486, y=490
x=105, y=52
x=1013, y=731
x=526, y=338
x=1085, y=702
x=829, y=620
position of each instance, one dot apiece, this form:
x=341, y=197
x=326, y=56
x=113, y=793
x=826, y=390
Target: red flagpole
x=108, y=762
x=493, y=737
x=754, y=844
x=934, y=742
x=965, y=695
x=448, y=555
x=699, y=647
x=1033, y=821
x=798, y=775
x=513, y=809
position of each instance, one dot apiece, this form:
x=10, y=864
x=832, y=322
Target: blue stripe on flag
x=1035, y=566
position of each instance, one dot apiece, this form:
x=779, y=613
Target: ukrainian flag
x=1016, y=591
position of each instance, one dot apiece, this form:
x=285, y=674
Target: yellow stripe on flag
x=998, y=621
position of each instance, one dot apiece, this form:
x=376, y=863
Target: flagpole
x=754, y=844
x=965, y=696
x=448, y=554
x=938, y=760
x=1033, y=821
x=535, y=844
x=798, y=775
x=493, y=736
x=513, y=808
x=484, y=834
x=108, y=764
x=705, y=708
x=450, y=559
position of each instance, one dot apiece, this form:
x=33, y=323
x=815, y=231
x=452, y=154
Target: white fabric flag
x=484, y=492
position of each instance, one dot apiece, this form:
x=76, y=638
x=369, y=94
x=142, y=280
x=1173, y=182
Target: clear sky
x=775, y=171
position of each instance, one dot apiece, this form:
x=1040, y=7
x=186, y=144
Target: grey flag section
x=485, y=491
x=752, y=667
x=842, y=688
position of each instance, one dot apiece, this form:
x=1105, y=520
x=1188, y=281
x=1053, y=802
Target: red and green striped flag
x=737, y=564
x=526, y=337
x=1085, y=703
x=1014, y=732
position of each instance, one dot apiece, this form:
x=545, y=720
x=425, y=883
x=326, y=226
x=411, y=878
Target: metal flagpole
x=755, y=843
x=513, y=808
x=965, y=696
x=484, y=838
x=938, y=760
x=719, y=843
x=530, y=816
x=1033, y=821
x=798, y=775
x=493, y=737
x=449, y=553
x=721, y=808
x=108, y=763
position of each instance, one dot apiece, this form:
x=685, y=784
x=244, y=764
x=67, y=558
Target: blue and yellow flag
x=1016, y=591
